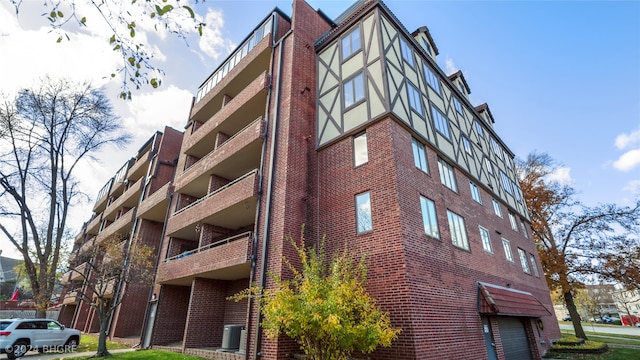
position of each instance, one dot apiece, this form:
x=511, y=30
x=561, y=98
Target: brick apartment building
x=133, y=204
x=349, y=127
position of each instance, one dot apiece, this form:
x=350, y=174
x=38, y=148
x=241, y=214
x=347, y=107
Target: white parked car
x=17, y=336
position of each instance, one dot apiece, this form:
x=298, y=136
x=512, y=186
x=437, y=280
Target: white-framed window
x=507, y=249
x=506, y=182
x=489, y=165
x=414, y=98
x=429, y=218
x=475, y=192
x=419, y=155
x=351, y=43
x=523, y=261
x=441, y=122
x=513, y=221
x=466, y=144
x=360, y=151
x=524, y=228
x=353, y=90
x=496, y=207
x=458, y=230
x=486, y=240
x=431, y=78
x=516, y=191
x=364, y=219
x=534, y=265
x=479, y=129
x=447, y=175
x=457, y=105
x=497, y=149
x=426, y=46
x=407, y=52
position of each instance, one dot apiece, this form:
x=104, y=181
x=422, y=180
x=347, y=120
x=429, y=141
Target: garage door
x=514, y=338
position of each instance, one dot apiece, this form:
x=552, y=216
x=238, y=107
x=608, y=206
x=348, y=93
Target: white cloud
x=624, y=141
x=212, y=42
x=633, y=187
x=450, y=67
x=628, y=160
x=561, y=175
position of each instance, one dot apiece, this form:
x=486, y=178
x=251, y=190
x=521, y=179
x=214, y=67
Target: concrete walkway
x=34, y=355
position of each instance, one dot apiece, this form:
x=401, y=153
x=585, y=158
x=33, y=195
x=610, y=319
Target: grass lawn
x=90, y=343
x=614, y=353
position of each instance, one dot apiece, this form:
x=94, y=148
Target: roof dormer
x=459, y=81
x=485, y=114
x=423, y=37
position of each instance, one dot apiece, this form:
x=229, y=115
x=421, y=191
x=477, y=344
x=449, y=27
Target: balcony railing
x=71, y=297
x=209, y=246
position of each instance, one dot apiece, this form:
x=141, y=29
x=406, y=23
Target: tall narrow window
x=507, y=249
x=429, y=218
x=466, y=144
x=513, y=221
x=524, y=229
x=523, y=261
x=431, y=78
x=534, y=265
x=426, y=46
x=353, y=90
x=360, y=153
x=351, y=43
x=414, y=98
x=496, y=208
x=457, y=105
x=363, y=212
x=489, y=165
x=407, y=52
x=441, y=122
x=479, y=129
x=447, y=176
x=486, y=240
x=419, y=155
x=475, y=192
x=457, y=230
x=506, y=182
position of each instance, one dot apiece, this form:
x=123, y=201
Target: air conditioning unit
x=231, y=337
x=243, y=340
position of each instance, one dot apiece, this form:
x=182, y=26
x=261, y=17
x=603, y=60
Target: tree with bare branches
x=576, y=241
x=46, y=133
x=111, y=266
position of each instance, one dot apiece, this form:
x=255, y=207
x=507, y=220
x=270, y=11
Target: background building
x=349, y=127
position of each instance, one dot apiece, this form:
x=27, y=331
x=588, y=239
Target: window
x=419, y=155
x=466, y=144
x=426, y=46
x=414, y=98
x=516, y=191
x=353, y=90
x=360, y=154
x=486, y=240
x=507, y=250
x=441, y=122
x=351, y=43
x=479, y=129
x=497, y=149
x=496, y=208
x=506, y=182
x=457, y=230
x=524, y=228
x=523, y=261
x=447, y=176
x=407, y=52
x=429, y=218
x=534, y=265
x=457, y=105
x=431, y=78
x=512, y=220
x=475, y=192
x=363, y=212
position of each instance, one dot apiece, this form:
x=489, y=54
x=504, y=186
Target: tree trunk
x=573, y=312
x=41, y=311
x=102, y=336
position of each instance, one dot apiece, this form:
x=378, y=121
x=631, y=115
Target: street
x=620, y=330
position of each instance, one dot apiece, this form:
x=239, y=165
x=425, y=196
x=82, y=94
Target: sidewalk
x=34, y=355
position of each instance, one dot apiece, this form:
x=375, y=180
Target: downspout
x=266, y=224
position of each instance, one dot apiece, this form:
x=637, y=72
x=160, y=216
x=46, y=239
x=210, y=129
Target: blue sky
x=559, y=77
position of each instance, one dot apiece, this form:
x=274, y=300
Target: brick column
x=205, y=318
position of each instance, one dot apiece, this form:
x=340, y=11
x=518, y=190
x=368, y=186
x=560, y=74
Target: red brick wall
x=205, y=319
x=66, y=314
x=171, y=315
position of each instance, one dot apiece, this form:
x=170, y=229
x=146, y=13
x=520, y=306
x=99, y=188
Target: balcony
x=227, y=259
x=231, y=77
x=118, y=180
x=79, y=272
x=235, y=157
x=71, y=297
x=122, y=225
x=154, y=207
x=232, y=206
x=101, y=199
x=140, y=167
x=105, y=288
x=246, y=106
x=66, y=278
x=128, y=199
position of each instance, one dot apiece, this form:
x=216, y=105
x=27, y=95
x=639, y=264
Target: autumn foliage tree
x=324, y=307
x=45, y=133
x=576, y=241
x=111, y=266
